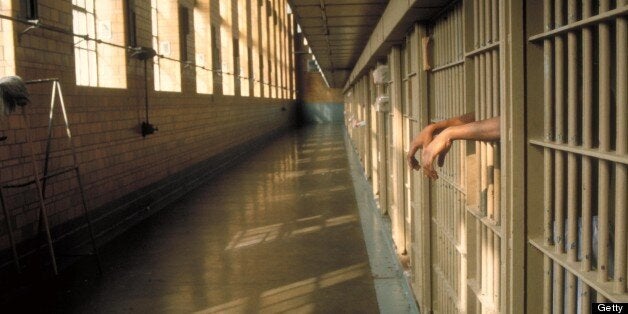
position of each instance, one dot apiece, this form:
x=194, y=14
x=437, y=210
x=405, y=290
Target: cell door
x=448, y=193
x=465, y=203
x=577, y=146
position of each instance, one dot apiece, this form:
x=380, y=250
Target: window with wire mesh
x=84, y=26
x=99, y=40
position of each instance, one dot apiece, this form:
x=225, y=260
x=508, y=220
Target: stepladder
x=41, y=173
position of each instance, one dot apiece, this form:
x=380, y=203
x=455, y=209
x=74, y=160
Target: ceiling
x=337, y=31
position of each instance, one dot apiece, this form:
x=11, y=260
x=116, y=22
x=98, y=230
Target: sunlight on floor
x=272, y=232
x=298, y=296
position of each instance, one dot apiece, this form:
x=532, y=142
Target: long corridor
x=279, y=232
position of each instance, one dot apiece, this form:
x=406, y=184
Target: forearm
x=432, y=129
x=456, y=121
x=485, y=130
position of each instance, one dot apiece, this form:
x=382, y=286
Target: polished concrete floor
x=279, y=232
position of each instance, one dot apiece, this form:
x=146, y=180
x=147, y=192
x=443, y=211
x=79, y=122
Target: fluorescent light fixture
x=324, y=78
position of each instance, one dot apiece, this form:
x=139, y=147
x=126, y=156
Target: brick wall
x=115, y=160
x=315, y=90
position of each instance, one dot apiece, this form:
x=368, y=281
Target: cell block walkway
x=279, y=232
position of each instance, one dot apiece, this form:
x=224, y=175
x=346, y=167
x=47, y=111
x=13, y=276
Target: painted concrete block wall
x=321, y=104
x=117, y=163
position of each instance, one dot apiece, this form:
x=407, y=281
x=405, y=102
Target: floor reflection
x=278, y=232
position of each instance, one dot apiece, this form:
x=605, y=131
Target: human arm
x=485, y=130
x=424, y=138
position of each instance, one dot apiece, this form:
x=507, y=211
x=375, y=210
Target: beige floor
x=279, y=232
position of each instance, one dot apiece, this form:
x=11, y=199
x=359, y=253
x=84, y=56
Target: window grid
x=155, y=38
x=84, y=24
x=203, y=42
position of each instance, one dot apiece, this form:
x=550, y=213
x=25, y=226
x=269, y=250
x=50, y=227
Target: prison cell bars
x=449, y=192
x=359, y=111
x=373, y=135
x=390, y=193
x=587, y=116
x=363, y=118
x=410, y=124
x=396, y=198
x=368, y=151
x=486, y=211
x=581, y=155
x=382, y=152
x=407, y=184
x=621, y=148
x=421, y=250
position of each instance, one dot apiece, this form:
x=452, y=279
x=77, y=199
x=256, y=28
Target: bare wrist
x=449, y=134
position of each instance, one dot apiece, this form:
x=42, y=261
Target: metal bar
x=496, y=112
x=559, y=288
x=447, y=66
x=496, y=267
x=495, y=20
x=600, y=18
x=490, y=266
x=572, y=293
x=42, y=178
x=7, y=220
x=49, y=137
x=481, y=23
x=78, y=178
x=559, y=109
x=604, y=139
x=488, y=108
x=478, y=255
x=459, y=34
x=594, y=153
x=476, y=106
x=585, y=299
x=43, y=212
x=491, y=224
x=621, y=148
x=46, y=80
x=603, y=288
x=483, y=159
x=572, y=124
x=587, y=130
x=488, y=29
x=448, y=42
x=476, y=40
x=547, y=284
x=484, y=253
x=496, y=146
x=548, y=160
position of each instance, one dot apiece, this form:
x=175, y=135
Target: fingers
x=411, y=160
x=427, y=160
x=441, y=157
x=414, y=164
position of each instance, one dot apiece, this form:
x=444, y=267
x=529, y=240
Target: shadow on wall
x=321, y=113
